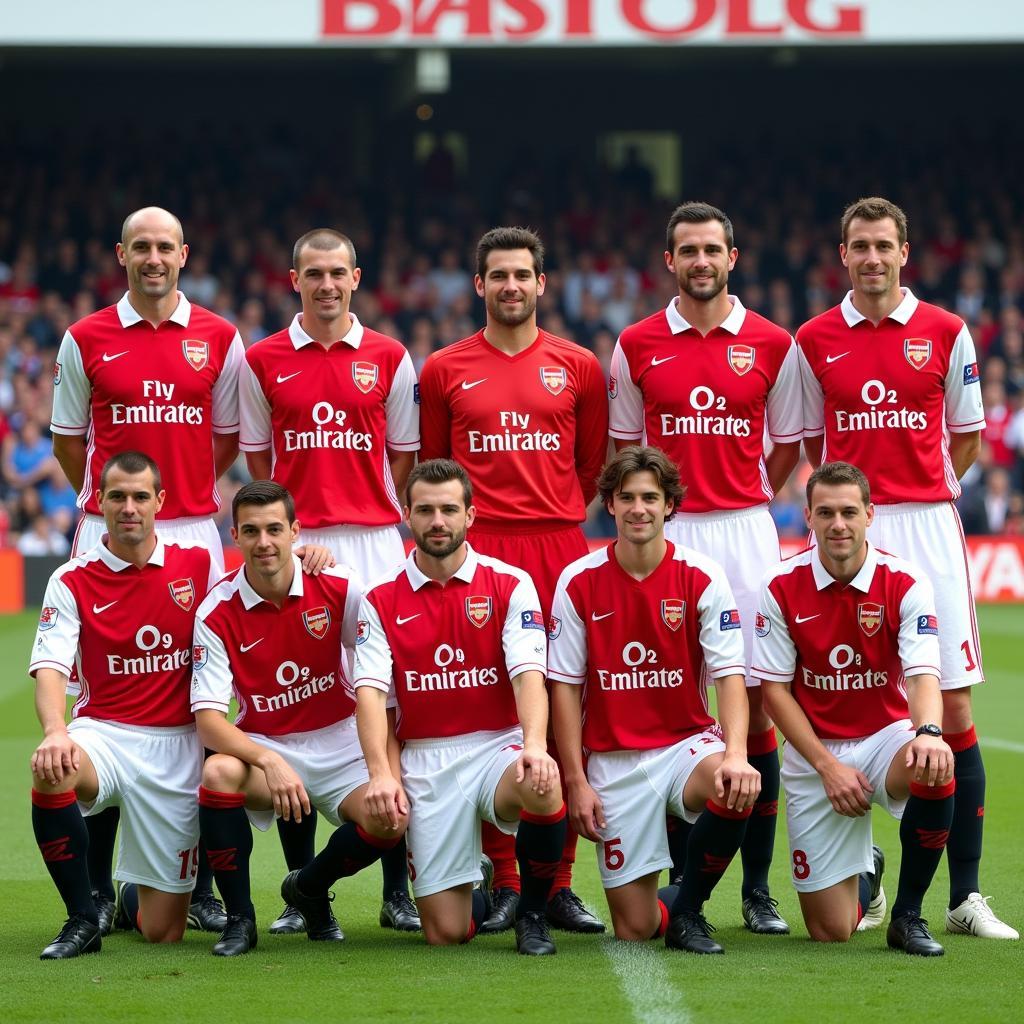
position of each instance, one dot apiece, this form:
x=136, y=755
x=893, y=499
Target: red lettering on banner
x=739, y=21
x=337, y=21
x=532, y=14
x=577, y=18
x=849, y=20
x=477, y=14
x=703, y=12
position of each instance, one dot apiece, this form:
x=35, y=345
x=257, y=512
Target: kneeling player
x=637, y=628
x=846, y=636
x=281, y=642
x=457, y=640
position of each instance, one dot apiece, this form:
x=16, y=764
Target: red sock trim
x=762, y=742
x=663, y=923
x=724, y=812
x=960, y=741
x=220, y=801
x=376, y=841
x=919, y=789
x=543, y=819
x=860, y=912
x=471, y=932
x=53, y=801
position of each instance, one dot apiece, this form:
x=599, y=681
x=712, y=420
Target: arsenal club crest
x=613, y=387
x=197, y=353
x=365, y=376
x=199, y=656
x=362, y=631
x=317, y=622
x=48, y=618
x=741, y=358
x=672, y=609
x=56, y=374
x=918, y=351
x=183, y=593
x=478, y=610
x=553, y=378
x=869, y=617
x=554, y=627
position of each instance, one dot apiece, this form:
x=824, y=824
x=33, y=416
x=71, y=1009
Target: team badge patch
x=741, y=358
x=317, y=622
x=928, y=624
x=762, y=626
x=613, y=387
x=554, y=627
x=972, y=375
x=197, y=353
x=416, y=393
x=183, y=592
x=533, y=620
x=365, y=376
x=362, y=631
x=48, y=618
x=200, y=656
x=672, y=609
x=553, y=378
x=918, y=351
x=478, y=610
x=56, y=373
x=869, y=618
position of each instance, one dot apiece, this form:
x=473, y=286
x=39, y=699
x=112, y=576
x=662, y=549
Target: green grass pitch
x=379, y=976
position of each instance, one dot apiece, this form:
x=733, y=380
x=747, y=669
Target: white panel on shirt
x=626, y=408
x=723, y=648
x=254, y=412
x=373, y=661
x=56, y=645
x=212, y=681
x=401, y=411
x=774, y=654
x=73, y=395
x=225, y=391
x=813, y=400
x=919, y=652
x=350, y=616
x=525, y=647
x=784, y=415
x=567, y=649
x=964, y=411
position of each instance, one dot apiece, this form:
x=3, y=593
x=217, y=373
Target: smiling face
x=325, y=280
x=640, y=508
x=701, y=259
x=265, y=537
x=840, y=520
x=873, y=257
x=438, y=518
x=152, y=253
x=129, y=503
x=510, y=287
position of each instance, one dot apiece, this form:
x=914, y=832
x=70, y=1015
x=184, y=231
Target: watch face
x=929, y=730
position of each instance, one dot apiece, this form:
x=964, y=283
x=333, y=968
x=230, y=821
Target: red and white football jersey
x=884, y=396
x=530, y=428
x=328, y=415
x=707, y=401
x=447, y=654
x=290, y=667
x=127, y=631
x=846, y=649
x=164, y=391
x=644, y=649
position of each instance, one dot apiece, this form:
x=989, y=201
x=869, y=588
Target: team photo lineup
x=465, y=709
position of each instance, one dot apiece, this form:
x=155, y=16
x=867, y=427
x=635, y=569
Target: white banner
x=463, y=23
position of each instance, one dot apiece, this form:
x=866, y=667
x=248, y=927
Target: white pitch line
x=646, y=983
x=996, y=744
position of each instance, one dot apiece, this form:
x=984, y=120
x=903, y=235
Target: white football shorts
x=371, y=551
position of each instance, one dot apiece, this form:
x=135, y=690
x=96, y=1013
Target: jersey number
x=189, y=863
x=966, y=648
x=614, y=858
x=801, y=869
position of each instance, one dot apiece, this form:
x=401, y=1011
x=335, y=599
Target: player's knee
x=223, y=773
x=546, y=803
x=442, y=933
x=159, y=932
x=66, y=785
x=829, y=931
x=631, y=930
x=391, y=834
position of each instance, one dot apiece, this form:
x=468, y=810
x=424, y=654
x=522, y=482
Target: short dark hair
x=835, y=474
x=510, y=238
x=130, y=462
x=640, y=459
x=875, y=208
x=262, y=493
x=439, y=471
x=323, y=240
x=697, y=213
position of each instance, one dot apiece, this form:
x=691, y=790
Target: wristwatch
x=928, y=730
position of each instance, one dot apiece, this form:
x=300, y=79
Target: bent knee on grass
x=223, y=773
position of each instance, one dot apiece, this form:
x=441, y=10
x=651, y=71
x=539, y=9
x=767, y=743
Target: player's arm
x=780, y=462
x=813, y=408
x=401, y=466
x=585, y=808
x=591, y=429
x=57, y=754
x=258, y=464
x=813, y=449
x=385, y=798
x=930, y=757
x=784, y=418
x=69, y=451
x=225, y=451
x=72, y=395
x=225, y=415
x=402, y=415
x=963, y=450
x=532, y=709
x=435, y=415
x=736, y=780
x=625, y=402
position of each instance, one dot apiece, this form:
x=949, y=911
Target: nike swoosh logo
x=116, y=355
x=655, y=361
x=248, y=647
x=467, y=384
x=408, y=618
x=807, y=618
x=96, y=608
x=832, y=359
x=281, y=380
x=594, y=617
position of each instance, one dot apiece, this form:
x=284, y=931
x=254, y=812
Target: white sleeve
x=774, y=658
x=964, y=411
x=567, y=640
x=254, y=412
x=401, y=410
x=225, y=390
x=813, y=399
x=56, y=642
x=721, y=637
x=524, y=636
x=784, y=413
x=212, y=679
x=373, y=662
x=72, y=391
x=350, y=626
x=626, y=400
x=919, y=631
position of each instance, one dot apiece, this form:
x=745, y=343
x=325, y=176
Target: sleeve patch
x=613, y=387
x=554, y=627
x=730, y=620
x=362, y=631
x=762, y=625
x=56, y=374
x=533, y=620
x=48, y=618
x=972, y=375
x=416, y=393
x=928, y=624
x=200, y=656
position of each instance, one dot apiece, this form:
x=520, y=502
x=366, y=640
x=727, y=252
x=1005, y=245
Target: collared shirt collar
x=901, y=314
x=862, y=581
x=128, y=315
x=300, y=338
x=677, y=323
x=115, y=564
x=464, y=572
x=249, y=596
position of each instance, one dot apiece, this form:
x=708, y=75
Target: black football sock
x=298, y=840
x=759, y=842
x=394, y=869
x=923, y=834
x=349, y=850
x=539, y=844
x=678, y=840
x=64, y=843
x=204, y=874
x=863, y=894
x=963, y=851
x=227, y=836
x=130, y=905
x=714, y=840
x=102, y=830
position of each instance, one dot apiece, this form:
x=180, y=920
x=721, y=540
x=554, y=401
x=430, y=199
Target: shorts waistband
x=309, y=734
x=466, y=739
x=348, y=529
x=146, y=730
x=534, y=527
x=735, y=513
x=903, y=507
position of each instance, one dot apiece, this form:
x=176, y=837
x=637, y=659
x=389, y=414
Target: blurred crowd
x=415, y=228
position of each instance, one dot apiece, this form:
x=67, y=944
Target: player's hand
x=58, y=755
x=386, y=801
x=586, y=812
x=314, y=558
x=540, y=766
x=930, y=760
x=737, y=783
x=848, y=790
x=291, y=801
